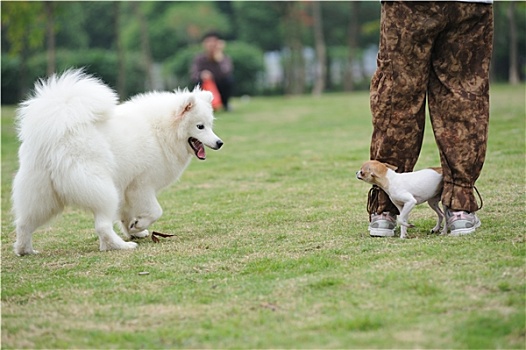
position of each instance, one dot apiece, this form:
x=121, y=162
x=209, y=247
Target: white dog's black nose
x=219, y=144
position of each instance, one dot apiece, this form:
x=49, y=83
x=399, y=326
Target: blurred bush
x=247, y=60
x=10, y=79
x=99, y=62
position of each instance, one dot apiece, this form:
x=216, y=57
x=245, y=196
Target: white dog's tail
x=64, y=104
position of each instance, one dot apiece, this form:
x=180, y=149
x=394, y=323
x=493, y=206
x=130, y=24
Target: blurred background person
x=214, y=65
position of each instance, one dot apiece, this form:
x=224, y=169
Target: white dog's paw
x=138, y=225
x=22, y=252
x=129, y=245
x=140, y=234
x=22, y=249
x=436, y=229
x=132, y=226
x=117, y=246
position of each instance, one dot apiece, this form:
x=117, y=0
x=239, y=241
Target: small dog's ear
x=390, y=166
x=368, y=170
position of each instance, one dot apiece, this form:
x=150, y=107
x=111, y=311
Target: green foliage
x=501, y=41
x=258, y=24
x=26, y=25
x=178, y=66
x=102, y=63
x=248, y=65
x=272, y=251
x=83, y=25
x=189, y=21
x=10, y=79
x=173, y=26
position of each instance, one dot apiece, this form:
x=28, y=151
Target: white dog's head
x=196, y=121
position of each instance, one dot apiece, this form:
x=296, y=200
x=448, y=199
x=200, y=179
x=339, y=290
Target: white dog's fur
x=80, y=147
x=406, y=189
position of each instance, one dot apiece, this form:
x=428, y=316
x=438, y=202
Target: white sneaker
x=382, y=225
x=461, y=222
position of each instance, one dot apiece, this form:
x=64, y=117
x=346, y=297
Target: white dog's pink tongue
x=201, y=152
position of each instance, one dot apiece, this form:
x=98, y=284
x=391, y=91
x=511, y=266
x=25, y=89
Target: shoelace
x=372, y=200
x=386, y=216
x=480, y=197
x=459, y=215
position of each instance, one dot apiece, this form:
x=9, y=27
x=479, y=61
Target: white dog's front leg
x=109, y=240
x=128, y=234
x=143, y=210
x=140, y=223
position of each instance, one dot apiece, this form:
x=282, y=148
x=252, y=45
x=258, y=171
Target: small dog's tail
x=437, y=169
x=63, y=104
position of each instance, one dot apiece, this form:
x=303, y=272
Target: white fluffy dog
x=80, y=147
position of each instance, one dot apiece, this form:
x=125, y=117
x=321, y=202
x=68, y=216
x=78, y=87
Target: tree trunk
x=49, y=7
x=295, y=67
x=145, y=44
x=321, y=51
x=352, y=42
x=121, y=73
x=514, y=78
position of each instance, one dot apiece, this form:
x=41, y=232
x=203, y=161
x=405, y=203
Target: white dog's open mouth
x=198, y=148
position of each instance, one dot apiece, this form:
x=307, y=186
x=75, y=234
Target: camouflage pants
x=440, y=51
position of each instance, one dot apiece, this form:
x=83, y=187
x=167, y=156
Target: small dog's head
x=373, y=170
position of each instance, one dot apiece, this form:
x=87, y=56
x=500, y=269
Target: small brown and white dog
x=406, y=189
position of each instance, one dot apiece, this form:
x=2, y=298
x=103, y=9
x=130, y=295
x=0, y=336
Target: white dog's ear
x=206, y=95
x=186, y=107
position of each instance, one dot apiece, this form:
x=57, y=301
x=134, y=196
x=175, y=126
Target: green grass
x=271, y=248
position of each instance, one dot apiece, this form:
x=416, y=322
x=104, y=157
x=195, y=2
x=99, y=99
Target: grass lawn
x=271, y=248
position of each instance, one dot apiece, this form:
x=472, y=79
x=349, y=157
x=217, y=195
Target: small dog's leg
x=434, y=204
x=403, y=218
x=403, y=231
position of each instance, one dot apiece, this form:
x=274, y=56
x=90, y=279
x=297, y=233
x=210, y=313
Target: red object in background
x=210, y=85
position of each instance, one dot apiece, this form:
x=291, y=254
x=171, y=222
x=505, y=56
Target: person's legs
x=398, y=90
x=459, y=99
x=224, y=86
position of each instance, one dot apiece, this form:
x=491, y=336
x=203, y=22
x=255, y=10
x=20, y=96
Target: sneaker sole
x=465, y=231
x=378, y=232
